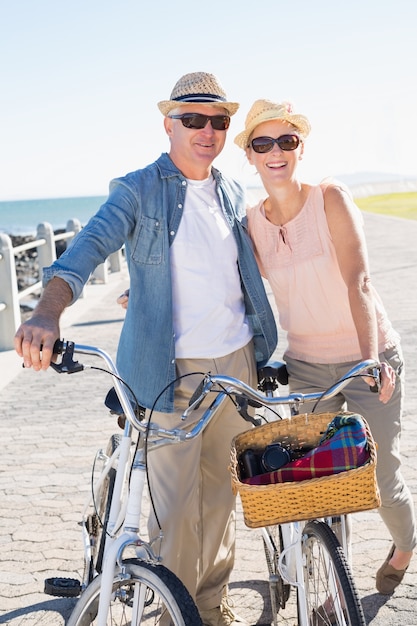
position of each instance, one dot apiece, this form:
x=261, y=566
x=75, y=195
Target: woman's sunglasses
x=197, y=121
x=265, y=144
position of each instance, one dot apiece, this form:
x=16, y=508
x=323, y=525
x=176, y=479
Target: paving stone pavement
x=51, y=427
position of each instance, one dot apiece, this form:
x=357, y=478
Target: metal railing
x=45, y=245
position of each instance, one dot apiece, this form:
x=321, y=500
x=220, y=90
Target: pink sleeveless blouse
x=299, y=261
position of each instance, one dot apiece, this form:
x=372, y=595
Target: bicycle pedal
x=62, y=587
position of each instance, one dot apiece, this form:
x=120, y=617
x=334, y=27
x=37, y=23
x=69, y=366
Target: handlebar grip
x=375, y=372
x=58, y=346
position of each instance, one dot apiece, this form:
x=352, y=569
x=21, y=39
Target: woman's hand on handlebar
x=385, y=385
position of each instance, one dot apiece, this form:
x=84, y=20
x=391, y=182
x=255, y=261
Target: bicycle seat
x=112, y=402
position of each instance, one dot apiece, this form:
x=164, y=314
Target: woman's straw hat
x=198, y=87
x=264, y=111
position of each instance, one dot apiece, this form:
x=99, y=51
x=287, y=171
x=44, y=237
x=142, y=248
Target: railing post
x=46, y=252
x=9, y=299
x=10, y=316
x=101, y=272
x=73, y=225
x=115, y=260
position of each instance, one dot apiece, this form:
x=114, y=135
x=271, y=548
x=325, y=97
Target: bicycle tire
x=325, y=561
x=278, y=589
x=97, y=522
x=167, y=598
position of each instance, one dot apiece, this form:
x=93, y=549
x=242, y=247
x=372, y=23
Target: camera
x=273, y=457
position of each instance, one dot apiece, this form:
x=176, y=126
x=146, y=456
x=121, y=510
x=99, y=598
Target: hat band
x=198, y=97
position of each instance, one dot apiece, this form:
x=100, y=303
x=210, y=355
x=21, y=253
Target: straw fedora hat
x=264, y=111
x=198, y=87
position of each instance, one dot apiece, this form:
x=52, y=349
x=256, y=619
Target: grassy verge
x=395, y=204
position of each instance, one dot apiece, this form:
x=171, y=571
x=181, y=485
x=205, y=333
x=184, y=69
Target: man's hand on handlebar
x=34, y=341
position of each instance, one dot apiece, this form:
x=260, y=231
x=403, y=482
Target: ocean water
x=21, y=217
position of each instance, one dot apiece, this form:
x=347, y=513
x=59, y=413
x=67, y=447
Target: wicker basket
x=346, y=492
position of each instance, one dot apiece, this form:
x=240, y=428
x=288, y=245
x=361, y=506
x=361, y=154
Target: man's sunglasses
x=285, y=142
x=197, y=121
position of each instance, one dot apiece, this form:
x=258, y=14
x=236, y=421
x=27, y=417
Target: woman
x=310, y=246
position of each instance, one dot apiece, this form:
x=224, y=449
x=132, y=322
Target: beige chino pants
x=191, y=486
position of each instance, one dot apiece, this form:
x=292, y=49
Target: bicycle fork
x=116, y=547
x=291, y=564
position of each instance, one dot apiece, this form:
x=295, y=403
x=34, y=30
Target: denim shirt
x=143, y=211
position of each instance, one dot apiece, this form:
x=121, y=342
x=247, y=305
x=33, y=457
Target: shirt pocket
x=148, y=244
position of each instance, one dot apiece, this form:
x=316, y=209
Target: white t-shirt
x=209, y=312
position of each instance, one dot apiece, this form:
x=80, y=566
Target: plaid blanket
x=342, y=447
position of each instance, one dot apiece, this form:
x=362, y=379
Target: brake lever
x=67, y=364
x=198, y=396
x=242, y=409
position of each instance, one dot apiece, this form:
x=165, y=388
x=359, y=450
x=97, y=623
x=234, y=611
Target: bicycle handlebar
x=224, y=386
x=235, y=386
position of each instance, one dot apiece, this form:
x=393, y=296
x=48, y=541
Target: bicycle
x=118, y=589
x=305, y=555
x=140, y=590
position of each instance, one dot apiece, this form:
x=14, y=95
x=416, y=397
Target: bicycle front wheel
x=331, y=595
x=144, y=593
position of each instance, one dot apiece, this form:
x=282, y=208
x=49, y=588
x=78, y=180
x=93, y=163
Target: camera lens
x=274, y=457
x=249, y=464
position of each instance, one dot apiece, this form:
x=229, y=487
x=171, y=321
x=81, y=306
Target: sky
x=80, y=82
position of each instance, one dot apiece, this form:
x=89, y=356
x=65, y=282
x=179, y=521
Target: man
x=196, y=304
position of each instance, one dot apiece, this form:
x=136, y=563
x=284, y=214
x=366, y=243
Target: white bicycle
x=120, y=588
x=306, y=555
